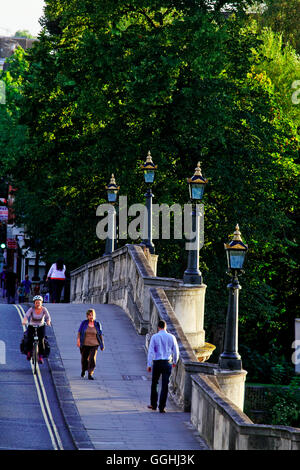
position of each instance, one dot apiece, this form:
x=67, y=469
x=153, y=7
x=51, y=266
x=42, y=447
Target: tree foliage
x=281, y=65
x=108, y=81
x=23, y=33
x=283, y=17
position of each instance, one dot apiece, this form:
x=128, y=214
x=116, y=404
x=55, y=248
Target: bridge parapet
x=224, y=426
x=127, y=278
x=215, y=397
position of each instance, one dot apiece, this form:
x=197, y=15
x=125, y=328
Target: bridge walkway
x=113, y=408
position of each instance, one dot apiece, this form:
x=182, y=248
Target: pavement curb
x=66, y=401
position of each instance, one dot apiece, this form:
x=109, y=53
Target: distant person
x=44, y=285
x=36, y=289
x=3, y=281
x=26, y=283
x=11, y=285
x=44, y=289
x=89, y=339
x=57, y=277
x=21, y=292
x=163, y=351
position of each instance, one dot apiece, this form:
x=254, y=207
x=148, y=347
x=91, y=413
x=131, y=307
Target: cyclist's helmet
x=37, y=297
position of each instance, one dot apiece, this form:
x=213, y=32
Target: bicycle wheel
x=35, y=356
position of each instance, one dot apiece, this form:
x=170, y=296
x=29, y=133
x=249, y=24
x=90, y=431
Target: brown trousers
x=88, y=358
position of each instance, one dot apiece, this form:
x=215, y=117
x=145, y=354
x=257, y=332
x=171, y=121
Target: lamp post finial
x=149, y=157
x=198, y=170
x=237, y=233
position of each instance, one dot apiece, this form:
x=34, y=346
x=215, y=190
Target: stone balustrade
x=126, y=278
x=122, y=278
x=8, y=44
x=225, y=427
x=215, y=397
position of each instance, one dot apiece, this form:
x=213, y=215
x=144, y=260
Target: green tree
x=12, y=132
x=108, y=81
x=282, y=16
x=23, y=33
x=281, y=64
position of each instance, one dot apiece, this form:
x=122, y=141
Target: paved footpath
x=113, y=407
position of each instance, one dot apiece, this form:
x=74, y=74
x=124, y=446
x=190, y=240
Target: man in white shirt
x=163, y=351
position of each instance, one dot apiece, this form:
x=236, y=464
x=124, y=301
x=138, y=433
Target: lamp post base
x=192, y=277
x=150, y=246
x=230, y=362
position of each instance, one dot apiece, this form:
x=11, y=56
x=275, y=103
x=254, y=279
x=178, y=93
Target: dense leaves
x=108, y=81
x=282, y=16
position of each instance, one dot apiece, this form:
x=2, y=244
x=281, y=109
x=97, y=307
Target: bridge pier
x=188, y=305
x=232, y=384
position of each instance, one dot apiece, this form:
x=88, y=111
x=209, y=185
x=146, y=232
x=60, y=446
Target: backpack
x=46, y=347
x=24, y=343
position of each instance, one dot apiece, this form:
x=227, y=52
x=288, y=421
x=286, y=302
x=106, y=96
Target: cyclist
x=37, y=316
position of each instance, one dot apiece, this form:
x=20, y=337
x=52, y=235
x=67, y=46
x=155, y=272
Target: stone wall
x=8, y=45
x=225, y=427
x=123, y=278
x=127, y=278
x=180, y=382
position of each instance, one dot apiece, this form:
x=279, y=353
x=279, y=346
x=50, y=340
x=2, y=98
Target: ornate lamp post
x=197, y=183
x=149, y=174
x=112, y=195
x=236, y=252
x=112, y=190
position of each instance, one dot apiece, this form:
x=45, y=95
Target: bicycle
x=35, y=349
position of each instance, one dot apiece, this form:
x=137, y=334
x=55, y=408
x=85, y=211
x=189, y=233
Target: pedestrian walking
x=57, y=277
x=3, y=281
x=11, y=285
x=89, y=338
x=164, y=353
x=21, y=292
x=44, y=288
x=26, y=283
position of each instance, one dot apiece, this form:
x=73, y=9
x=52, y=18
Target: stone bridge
x=214, y=397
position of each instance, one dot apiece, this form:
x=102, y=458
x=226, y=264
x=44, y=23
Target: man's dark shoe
x=90, y=377
x=151, y=407
x=82, y=373
x=162, y=411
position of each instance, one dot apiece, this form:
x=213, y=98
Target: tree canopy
x=106, y=82
x=23, y=33
x=282, y=16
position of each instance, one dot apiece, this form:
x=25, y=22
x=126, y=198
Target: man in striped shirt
x=163, y=351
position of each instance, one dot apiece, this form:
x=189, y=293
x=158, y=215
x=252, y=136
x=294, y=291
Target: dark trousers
x=88, y=358
x=161, y=368
x=56, y=286
x=10, y=295
x=41, y=336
